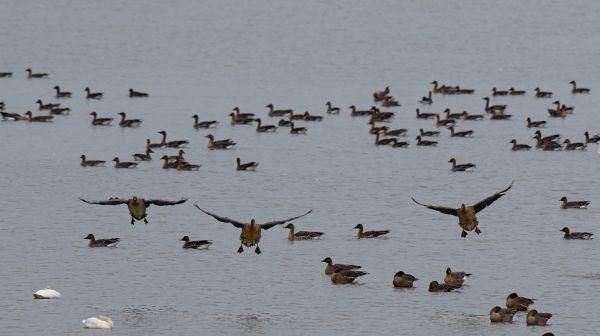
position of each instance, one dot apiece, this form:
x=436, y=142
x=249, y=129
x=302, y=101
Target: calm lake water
x=205, y=58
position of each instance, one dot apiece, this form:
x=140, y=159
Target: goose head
x=185, y=239
x=327, y=260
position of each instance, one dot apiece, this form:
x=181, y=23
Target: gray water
x=206, y=58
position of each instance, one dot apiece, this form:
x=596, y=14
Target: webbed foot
x=257, y=250
x=132, y=221
x=463, y=234
x=477, y=230
x=240, y=250
x=145, y=220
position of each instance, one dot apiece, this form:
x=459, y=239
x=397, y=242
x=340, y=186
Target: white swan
x=46, y=293
x=100, y=322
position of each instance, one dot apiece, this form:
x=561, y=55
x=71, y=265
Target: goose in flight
x=136, y=205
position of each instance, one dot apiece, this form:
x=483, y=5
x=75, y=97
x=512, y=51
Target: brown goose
x=119, y=164
x=41, y=118
x=421, y=142
x=537, y=319
x=278, y=113
x=6, y=74
x=60, y=111
x=547, y=145
x=260, y=128
x=395, y=132
x=516, y=302
x=249, y=166
x=429, y=133
x=13, y=116
x=573, y=204
x=517, y=147
x=137, y=206
x=513, y=92
x=466, y=116
x=240, y=121
x=498, y=314
x=455, y=116
x=425, y=115
x=93, y=95
x=542, y=94
x=359, y=113
x=143, y=157
x=137, y=94
x=399, y=144
x=31, y=74
x=346, y=277
x=496, y=92
x=171, y=144
x=564, y=108
x=219, y=144
x=500, y=116
x=168, y=164
x=203, y=124
x=251, y=232
x=389, y=101
x=42, y=106
x=195, y=244
x=380, y=95
x=403, y=280
x=549, y=137
x=369, y=234
x=588, y=139
x=293, y=116
x=466, y=214
x=540, y=123
x=297, y=130
x=491, y=108
x=308, y=117
x=377, y=115
x=332, y=109
x=284, y=123
x=437, y=89
x=576, y=235
x=461, y=167
x=574, y=145
x=434, y=286
x=179, y=157
x=575, y=89
x=443, y=122
x=100, y=121
x=383, y=142
x=61, y=94
x=242, y=115
x=109, y=242
x=301, y=235
x=460, y=134
x=455, y=278
x=90, y=163
x=152, y=145
x=184, y=166
x=426, y=99
x=128, y=122
x=331, y=267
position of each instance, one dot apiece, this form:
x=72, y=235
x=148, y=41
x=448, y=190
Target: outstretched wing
x=162, y=202
x=447, y=211
x=222, y=219
x=269, y=225
x=488, y=201
x=111, y=201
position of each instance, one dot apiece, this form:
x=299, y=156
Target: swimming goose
x=293, y=116
x=61, y=94
x=93, y=95
x=395, y=132
x=516, y=302
x=460, y=134
x=219, y=144
x=436, y=88
x=375, y=129
x=301, y=235
x=466, y=214
x=461, y=167
x=297, y=130
x=143, y=157
x=59, y=111
x=177, y=158
x=403, y=280
x=573, y=204
x=496, y=115
x=46, y=293
x=171, y=144
x=563, y=108
x=426, y=99
x=496, y=92
x=455, y=116
x=369, y=234
x=498, y=314
x=377, y=115
x=168, y=164
x=552, y=137
x=492, y=108
x=537, y=319
x=359, y=113
x=137, y=94
x=6, y=74
x=152, y=145
x=119, y=164
x=389, y=101
x=594, y=139
x=136, y=205
x=13, y=116
x=331, y=267
x=346, y=277
x=242, y=115
x=574, y=145
x=383, y=142
x=41, y=118
x=43, y=106
x=284, y=123
x=31, y=74
x=203, y=124
x=540, y=123
x=278, y=113
x=455, y=278
x=558, y=112
x=90, y=163
x=101, y=322
x=332, y=109
x=128, y=122
x=195, y=244
x=249, y=166
x=399, y=144
x=240, y=121
x=517, y=147
x=425, y=115
x=547, y=145
x=260, y=128
x=575, y=89
x=380, y=95
x=443, y=122
x=576, y=235
x=421, y=142
x=466, y=116
x=434, y=286
x=251, y=232
x=513, y=92
x=100, y=121
x=309, y=117
x=429, y=133
x=542, y=94
x=109, y=242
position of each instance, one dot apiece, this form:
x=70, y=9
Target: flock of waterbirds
x=383, y=136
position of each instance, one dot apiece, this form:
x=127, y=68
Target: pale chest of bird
x=467, y=218
x=137, y=208
x=250, y=234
